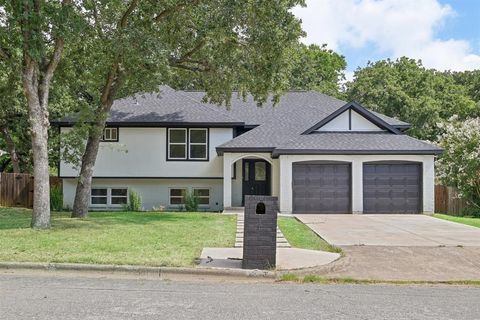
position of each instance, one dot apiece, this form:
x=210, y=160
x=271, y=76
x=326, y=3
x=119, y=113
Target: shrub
x=135, y=202
x=459, y=166
x=191, y=202
x=56, y=198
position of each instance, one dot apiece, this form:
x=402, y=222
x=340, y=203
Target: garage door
x=392, y=188
x=321, y=188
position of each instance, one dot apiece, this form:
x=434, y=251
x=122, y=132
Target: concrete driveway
x=391, y=230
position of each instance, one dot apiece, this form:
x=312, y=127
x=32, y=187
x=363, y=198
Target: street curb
x=225, y=272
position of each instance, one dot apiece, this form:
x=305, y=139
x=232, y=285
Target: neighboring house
x=316, y=153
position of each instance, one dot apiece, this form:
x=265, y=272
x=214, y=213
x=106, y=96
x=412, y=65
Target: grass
x=136, y=238
x=290, y=277
x=301, y=236
x=475, y=222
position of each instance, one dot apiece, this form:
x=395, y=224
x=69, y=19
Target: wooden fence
x=16, y=189
x=448, y=201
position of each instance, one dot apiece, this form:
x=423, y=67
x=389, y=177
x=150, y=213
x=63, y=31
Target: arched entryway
x=251, y=174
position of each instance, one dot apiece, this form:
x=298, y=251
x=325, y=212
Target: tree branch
x=165, y=13
x=123, y=21
x=4, y=54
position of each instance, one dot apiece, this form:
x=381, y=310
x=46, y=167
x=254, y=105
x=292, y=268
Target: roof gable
x=345, y=113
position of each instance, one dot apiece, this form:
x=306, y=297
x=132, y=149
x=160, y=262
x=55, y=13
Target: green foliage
x=56, y=198
x=316, y=68
x=191, y=202
x=134, y=201
x=459, y=165
x=301, y=236
x=404, y=89
x=150, y=238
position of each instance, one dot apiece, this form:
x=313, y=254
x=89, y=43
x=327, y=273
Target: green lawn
x=301, y=236
x=465, y=220
x=137, y=238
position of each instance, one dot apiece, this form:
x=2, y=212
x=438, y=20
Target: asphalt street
x=30, y=296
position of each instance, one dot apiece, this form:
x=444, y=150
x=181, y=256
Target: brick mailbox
x=260, y=232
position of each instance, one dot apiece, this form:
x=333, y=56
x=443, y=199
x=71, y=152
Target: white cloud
x=393, y=27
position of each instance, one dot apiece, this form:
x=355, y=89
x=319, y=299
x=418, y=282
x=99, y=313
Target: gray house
x=316, y=153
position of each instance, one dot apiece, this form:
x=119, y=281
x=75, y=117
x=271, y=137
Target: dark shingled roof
x=277, y=129
x=252, y=114
x=166, y=107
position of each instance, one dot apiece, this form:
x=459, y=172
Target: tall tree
x=317, y=68
x=36, y=30
x=136, y=45
x=406, y=90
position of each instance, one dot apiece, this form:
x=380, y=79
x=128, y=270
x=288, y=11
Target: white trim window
x=203, y=195
x=198, y=144
x=108, y=197
x=177, y=144
x=118, y=196
x=110, y=135
x=99, y=197
x=177, y=196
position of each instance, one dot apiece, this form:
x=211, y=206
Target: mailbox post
x=260, y=232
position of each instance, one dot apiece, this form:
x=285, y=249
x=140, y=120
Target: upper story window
x=110, y=134
x=187, y=144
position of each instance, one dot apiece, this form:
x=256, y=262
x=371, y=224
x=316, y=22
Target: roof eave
x=159, y=124
x=222, y=150
x=278, y=152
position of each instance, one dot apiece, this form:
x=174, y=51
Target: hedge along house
x=316, y=153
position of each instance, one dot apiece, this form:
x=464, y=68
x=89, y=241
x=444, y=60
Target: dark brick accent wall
x=260, y=233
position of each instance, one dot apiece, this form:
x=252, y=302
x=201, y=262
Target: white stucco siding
x=360, y=123
x=357, y=161
x=154, y=192
x=142, y=152
x=342, y=123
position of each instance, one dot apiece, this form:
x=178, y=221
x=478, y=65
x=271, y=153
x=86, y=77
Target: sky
x=444, y=34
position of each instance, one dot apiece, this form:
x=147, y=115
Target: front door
x=256, y=178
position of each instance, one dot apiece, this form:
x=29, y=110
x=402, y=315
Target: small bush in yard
x=191, y=202
x=135, y=202
x=56, y=198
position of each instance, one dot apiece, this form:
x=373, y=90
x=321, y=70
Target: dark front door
x=256, y=178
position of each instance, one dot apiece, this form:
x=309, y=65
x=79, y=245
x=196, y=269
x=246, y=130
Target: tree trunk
x=11, y=149
x=84, y=184
x=38, y=117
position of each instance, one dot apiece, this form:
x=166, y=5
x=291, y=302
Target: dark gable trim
x=151, y=178
x=279, y=152
x=221, y=150
x=359, y=109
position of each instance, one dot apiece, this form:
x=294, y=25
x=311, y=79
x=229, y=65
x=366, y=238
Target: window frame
x=185, y=144
x=110, y=140
x=209, y=196
x=95, y=196
x=188, y=144
x=197, y=143
x=109, y=197
x=185, y=189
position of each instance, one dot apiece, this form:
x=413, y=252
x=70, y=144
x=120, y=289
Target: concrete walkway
x=287, y=258
x=282, y=242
